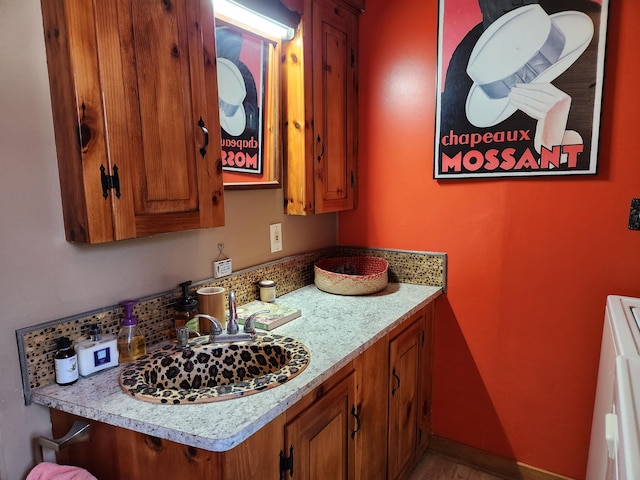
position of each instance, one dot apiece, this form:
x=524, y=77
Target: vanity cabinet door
x=372, y=371
x=320, y=88
x=404, y=381
x=425, y=379
x=258, y=456
x=318, y=442
x=135, y=109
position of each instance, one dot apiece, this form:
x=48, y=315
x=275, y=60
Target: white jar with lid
x=267, y=290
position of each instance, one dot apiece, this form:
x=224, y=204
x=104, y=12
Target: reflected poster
x=241, y=62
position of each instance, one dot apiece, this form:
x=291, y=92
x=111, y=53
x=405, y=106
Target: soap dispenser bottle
x=98, y=353
x=131, y=343
x=186, y=308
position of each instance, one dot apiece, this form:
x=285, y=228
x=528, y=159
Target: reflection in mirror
x=249, y=101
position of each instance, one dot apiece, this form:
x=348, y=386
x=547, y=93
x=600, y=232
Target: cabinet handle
x=203, y=150
x=356, y=414
x=319, y=140
x=395, y=389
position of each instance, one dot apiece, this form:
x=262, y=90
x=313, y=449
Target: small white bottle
x=98, y=353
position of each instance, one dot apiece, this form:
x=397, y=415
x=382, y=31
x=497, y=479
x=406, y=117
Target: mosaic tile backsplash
x=37, y=344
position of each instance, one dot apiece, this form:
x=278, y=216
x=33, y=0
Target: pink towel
x=53, y=471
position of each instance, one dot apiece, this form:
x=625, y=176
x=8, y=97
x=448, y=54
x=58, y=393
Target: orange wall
x=530, y=260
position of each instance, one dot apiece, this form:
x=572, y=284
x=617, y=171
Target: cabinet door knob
x=203, y=150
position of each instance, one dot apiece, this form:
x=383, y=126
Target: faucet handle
x=216, y=328
x=249, y=323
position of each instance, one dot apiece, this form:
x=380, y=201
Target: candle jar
x=267, y=290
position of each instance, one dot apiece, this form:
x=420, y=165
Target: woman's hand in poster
x=550, y=106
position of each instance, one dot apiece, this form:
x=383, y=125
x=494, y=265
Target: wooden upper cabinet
x=320, y=88
x=135, y=109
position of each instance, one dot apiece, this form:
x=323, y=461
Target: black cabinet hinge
x=286, y=463
x=353, y=59
x=110, y=182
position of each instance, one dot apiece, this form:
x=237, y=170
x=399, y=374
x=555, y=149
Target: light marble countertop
x=335, y=328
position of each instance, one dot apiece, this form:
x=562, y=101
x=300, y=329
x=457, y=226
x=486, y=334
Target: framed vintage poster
x=519, y=87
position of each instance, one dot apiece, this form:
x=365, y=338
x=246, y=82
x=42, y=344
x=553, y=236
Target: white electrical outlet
x=275, y=231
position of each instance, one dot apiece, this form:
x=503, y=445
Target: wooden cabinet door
x=321, y=131
x=404, y=371
x=425, y=379
x=372, y=372
x=335, y=107
x=135, y=107
x=320, y=438
x=258, y=456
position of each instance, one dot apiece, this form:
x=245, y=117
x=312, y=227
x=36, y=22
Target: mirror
x=249, y=97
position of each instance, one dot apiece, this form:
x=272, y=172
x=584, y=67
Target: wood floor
x=436, y=467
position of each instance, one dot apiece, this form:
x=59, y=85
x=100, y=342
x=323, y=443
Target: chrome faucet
x=232, y=323
x=216, y=334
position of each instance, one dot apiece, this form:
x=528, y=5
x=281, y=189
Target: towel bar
x=79, y=432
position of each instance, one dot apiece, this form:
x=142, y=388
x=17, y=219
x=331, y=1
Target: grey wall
x=43, y=277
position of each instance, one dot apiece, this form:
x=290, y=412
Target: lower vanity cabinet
x=369, y=421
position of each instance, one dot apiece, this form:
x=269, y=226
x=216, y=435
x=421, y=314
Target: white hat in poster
x=525, y=45
x=231, y=93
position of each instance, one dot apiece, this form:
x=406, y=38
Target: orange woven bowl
x=351, y=275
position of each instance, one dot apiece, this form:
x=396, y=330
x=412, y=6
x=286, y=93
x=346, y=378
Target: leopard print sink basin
x=214, y=372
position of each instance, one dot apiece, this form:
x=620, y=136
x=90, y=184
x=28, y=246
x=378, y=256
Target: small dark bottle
x=66, y=362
